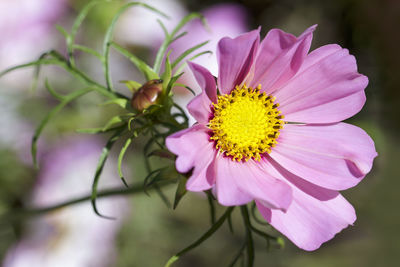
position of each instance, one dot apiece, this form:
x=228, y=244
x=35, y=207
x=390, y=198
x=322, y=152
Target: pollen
x=245, y=124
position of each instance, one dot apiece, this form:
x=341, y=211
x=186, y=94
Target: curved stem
x=249, y=236
x=29, y=212
x=203, y=238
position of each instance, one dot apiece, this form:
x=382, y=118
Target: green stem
x=212, y=207
x=203, y=238
x=29, y=212
x=249, y=237
x=238, y=255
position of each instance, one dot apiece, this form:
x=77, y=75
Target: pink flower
x=273, y=133
x=23, y=23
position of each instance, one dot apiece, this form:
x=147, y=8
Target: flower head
x=269, y=130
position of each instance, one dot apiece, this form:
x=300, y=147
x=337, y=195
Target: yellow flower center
x=246, y=123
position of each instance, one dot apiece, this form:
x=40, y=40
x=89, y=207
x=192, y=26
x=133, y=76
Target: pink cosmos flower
x=270, y=131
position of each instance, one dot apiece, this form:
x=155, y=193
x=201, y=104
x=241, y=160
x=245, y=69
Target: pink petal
x=309, y=222
x=279, y=58
x=199, y=107
x=275, y=170
x=203, y=177
x=193, y=148
x=186, y=144
x=327, y=88
x=235, y=58
x=335, y=156
x=240, y=182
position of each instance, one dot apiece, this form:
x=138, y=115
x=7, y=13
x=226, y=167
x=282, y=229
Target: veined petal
x=279, y=58
x=186, y=144
x=335, y=156
x=273, y=168
x=240, y=182
x=193, y=148
x=315, y=215
x=227, y=190
x=327, y=88
x=203, y=176
x=309, y=222
x=200, y=106
x=235, y=58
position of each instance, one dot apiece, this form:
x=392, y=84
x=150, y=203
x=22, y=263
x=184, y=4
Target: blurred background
x=147, y=232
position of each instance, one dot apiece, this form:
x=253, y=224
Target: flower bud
x=146, y=95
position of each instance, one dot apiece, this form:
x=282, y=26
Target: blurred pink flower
x=274, y=134
x=72, y=236
x=26, y=27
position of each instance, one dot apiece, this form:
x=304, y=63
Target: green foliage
x=152, y=125
x=171, y=37
x=67, y=99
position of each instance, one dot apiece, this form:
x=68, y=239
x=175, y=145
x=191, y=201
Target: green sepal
x=122, y=102
x=166, y=76
x=133, y=86
x=112, y=122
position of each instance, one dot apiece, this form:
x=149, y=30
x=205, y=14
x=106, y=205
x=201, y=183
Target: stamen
x=246, y=123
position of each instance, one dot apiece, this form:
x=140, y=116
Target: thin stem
x=212, y=207
x=249, y=237
x=19, y=214
x=238, y=255
x=203, y=238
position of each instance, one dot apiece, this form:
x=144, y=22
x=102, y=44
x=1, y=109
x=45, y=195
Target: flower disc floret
x=245, y=124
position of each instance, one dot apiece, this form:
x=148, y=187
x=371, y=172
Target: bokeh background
x=147, y=232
